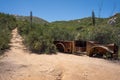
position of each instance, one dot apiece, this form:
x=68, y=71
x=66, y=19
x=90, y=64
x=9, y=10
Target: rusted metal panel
x=80, y=46
x=80, y=49
x=68, y=46
x=101, y=49
x=90, y=44
x=71, y=46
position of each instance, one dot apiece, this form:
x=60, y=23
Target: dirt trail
x=20, y=64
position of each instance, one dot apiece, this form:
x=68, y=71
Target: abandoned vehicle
x=91, y=48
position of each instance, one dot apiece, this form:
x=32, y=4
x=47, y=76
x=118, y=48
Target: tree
x=31, y=19
x=93, y=18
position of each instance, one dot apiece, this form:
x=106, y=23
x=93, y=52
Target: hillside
x=87, y=22
x=116, y=19
x=36, y=20
x=86, y=31
x=84, y=22
x=40, y=38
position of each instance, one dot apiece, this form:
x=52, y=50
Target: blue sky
x=56, y=10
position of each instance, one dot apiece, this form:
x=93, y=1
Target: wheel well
x=60, y=47
x=101, y=50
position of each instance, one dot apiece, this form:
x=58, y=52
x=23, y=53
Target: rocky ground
x=20, y=64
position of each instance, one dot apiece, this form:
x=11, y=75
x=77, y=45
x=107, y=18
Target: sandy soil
x=20, y=64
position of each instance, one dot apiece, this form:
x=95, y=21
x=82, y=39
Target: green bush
x=38, y=41
x=59, y=33
x=38, y=38
x=7, y=23
x=4, y=40
x=103, y=35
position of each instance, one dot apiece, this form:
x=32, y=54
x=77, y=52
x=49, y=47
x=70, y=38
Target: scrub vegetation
x=7, y=24
x=40, y=35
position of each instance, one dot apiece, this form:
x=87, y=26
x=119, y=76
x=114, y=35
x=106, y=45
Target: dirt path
x=20, y=64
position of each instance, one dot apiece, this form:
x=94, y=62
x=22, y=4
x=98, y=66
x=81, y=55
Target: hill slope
x=87, y=22
x=36, y=20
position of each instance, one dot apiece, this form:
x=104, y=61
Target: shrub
x=4, y=40
x=103, y=35
x=38, y=38
x=59, y=33
x=7, y=23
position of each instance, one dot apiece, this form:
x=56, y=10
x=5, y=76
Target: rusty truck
x=91, y=48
